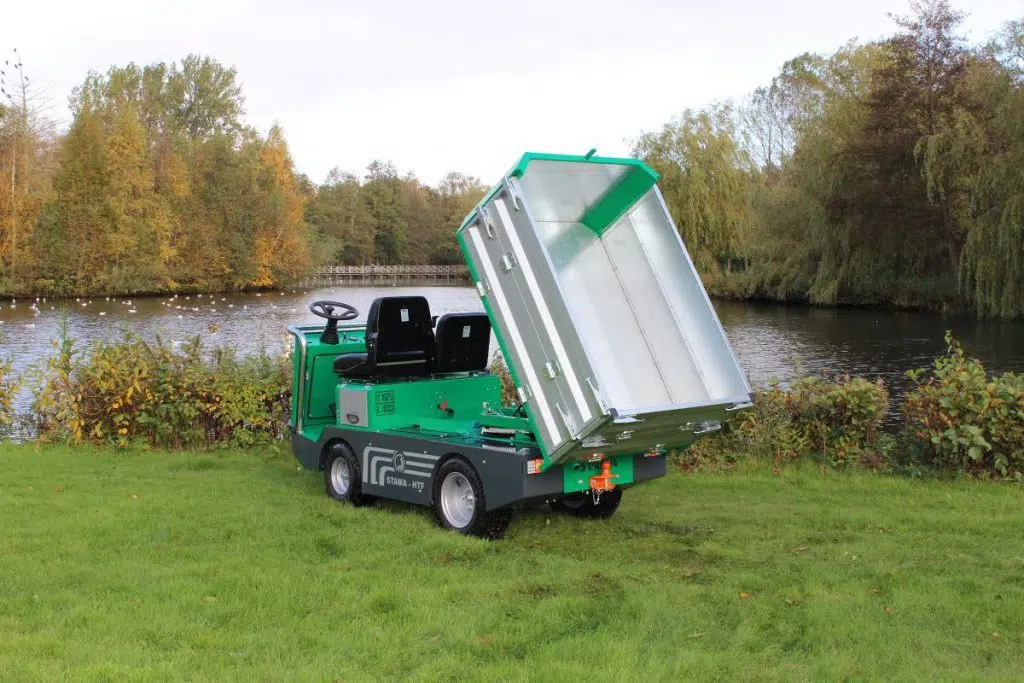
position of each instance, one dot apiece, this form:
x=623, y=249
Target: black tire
x=474, y=521
x=582, y=504
x=339, y=457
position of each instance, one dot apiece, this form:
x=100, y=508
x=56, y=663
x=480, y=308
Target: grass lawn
x=229, y=566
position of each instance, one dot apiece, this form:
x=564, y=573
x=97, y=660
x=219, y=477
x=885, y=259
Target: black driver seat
x=399, y=341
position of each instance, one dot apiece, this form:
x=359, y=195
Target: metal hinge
x=514, y=192
x=699, y=428
x=552, y=369
x=508, y=261
x=598, y=396
x=570, y=425
x=485, y=218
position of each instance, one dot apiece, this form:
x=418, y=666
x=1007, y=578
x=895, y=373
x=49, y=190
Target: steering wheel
x=325, y=309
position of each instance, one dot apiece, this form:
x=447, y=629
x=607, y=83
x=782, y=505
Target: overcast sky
x=447, y=85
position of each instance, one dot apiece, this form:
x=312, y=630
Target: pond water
x=771, y=341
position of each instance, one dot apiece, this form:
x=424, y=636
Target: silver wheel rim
x=457, y=500
x=341, y=477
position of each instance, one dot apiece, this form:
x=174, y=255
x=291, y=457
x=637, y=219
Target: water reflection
x=771, y=341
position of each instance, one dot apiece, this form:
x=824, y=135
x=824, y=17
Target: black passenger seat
x=463, y=340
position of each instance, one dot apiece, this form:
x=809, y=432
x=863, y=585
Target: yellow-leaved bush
x=133, y=391
x=8, y=388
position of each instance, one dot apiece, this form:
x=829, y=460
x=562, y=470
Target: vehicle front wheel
x=583, y=505
x=459, y=502
x=343, y=478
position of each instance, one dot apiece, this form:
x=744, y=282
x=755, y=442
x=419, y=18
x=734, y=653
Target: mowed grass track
x=231, y=566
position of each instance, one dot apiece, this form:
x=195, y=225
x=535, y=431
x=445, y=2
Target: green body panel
x=619, y=198
x=576, y=475
x=394, y=405
x=313, y=377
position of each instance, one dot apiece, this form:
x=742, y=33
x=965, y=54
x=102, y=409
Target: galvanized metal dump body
x=608, y=332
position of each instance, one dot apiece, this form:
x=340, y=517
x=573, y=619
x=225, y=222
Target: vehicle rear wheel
x=459, y=502
x=343, y=478
x=583, y=505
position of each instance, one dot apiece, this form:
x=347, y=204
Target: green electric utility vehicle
x=614, y=349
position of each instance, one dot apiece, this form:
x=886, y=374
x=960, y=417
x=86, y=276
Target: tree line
x=888, y=173
x=158, y=185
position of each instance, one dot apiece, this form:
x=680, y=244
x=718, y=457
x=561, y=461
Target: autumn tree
x=27, y=162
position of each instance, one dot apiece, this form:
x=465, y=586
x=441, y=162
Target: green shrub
x=958, y=417
x=762, y=434
x=838, y=420
x=835, y=421
x=133, y=391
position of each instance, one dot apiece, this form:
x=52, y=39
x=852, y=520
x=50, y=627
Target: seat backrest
x=398, y=331
x=463, y=340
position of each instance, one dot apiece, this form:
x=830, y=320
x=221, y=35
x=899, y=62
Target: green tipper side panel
x=619, y=198
x=520, y=168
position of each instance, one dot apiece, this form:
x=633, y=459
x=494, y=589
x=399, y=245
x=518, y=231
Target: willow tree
x=704, y=174
x=992, y=276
